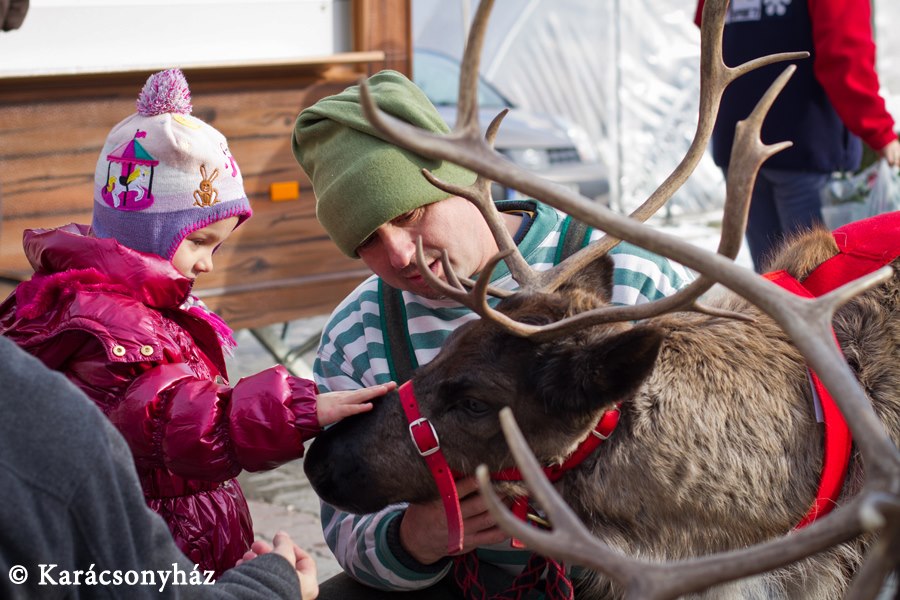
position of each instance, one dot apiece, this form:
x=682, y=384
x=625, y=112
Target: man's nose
x=400, y=247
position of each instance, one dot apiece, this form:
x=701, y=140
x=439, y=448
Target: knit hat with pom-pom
x=164, y=174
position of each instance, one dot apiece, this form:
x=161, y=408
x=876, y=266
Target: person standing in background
x=828, y=108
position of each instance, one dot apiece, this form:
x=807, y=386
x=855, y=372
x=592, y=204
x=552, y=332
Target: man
x=830, y=102
x=374, y=202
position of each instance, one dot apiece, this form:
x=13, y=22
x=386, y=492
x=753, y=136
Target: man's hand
x=423, y=529
x=303, y=563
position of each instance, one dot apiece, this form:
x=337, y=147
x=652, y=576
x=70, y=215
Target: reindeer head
x=557, y=389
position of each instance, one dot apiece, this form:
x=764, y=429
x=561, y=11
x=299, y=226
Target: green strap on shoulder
x=574, y=235
x=399, y=350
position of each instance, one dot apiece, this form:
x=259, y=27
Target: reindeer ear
x=596, y=278
x=621, y=364
x=601, y=372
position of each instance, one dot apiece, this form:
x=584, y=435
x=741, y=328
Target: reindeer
x=717, y=453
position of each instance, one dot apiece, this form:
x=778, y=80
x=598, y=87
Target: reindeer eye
x=474, y=407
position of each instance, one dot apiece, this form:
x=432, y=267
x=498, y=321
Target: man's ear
x=586, y=376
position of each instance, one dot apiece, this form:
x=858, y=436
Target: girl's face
x=194, y=255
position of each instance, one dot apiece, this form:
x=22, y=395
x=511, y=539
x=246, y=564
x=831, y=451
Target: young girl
x=111, y=307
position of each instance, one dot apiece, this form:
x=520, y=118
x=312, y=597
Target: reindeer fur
x=717, y=446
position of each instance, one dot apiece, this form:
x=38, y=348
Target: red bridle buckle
x=607, y=423
x=425, y=446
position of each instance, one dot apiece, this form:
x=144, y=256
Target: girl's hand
x=331, y=407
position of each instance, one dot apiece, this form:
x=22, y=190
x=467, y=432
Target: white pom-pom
x=165, y=92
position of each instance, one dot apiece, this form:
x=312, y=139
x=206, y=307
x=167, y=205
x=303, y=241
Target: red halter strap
x=466, y=566
x=426, y=440
x=599, y=434
x=865, y=246
x=559, y=587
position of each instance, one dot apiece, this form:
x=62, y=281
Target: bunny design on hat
x=164, y=173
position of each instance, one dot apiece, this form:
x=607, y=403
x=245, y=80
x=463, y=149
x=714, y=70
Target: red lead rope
x=426, y=440
x=558, y=586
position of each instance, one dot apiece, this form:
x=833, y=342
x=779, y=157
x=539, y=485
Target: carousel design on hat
x=129, y=176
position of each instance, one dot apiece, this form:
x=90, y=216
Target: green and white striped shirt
x=353, y=354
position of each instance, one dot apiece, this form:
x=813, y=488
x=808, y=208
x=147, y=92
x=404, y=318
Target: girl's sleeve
x=200, y=429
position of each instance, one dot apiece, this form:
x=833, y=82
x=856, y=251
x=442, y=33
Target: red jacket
x=109, y=318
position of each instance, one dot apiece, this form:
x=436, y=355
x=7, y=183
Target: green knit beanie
x=361, y=180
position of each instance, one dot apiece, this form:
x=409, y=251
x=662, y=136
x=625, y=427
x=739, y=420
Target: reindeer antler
x=749, y=153
x=465, y=146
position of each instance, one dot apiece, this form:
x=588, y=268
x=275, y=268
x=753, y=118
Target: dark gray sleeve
x=269, y=576
x=71, y=505
x=150, y=547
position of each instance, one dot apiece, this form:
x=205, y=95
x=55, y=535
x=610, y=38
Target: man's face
x=453, y=224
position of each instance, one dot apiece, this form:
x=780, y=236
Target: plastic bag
x=872, y=191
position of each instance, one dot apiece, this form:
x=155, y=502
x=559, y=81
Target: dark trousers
x=783, y=203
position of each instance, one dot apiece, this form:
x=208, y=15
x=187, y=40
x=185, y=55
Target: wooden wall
x=277, y=267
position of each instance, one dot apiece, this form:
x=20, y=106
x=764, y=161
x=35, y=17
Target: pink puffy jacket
x=109, y=318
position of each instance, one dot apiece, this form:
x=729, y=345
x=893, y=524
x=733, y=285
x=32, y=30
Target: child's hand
x=331, y=407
